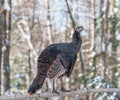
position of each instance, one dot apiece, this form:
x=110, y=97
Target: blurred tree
x=48, y=23
x=1, y=38
x=105, y=41
x=6, y=46
x=113, y=21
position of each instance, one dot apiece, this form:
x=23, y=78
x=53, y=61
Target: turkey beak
x=79, y=29
x=82, y=28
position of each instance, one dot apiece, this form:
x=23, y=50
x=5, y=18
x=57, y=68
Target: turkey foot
x=55, y=91
x=64, y=90
x=62, y=87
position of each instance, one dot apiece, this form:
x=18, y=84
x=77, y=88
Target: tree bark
x=93, y=20
x=92, y=24
x=114, y=42
x=105, y=41
x=0, y=66
x=6, y=52
x=70, y=14
x=30, y=66
x=49, y=34
x=1, y=40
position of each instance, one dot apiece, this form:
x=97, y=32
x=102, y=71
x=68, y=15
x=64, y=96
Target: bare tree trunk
x=70, y=14
x=1, y=40
x=93, y=33
x=101, y=5
x=49, y=34
x=114, y=43
x=82, y=61
x=30, y=66
x=112, y=4
x=92, y=24
x=0, y=53
x=6, y=52
x=105, y=41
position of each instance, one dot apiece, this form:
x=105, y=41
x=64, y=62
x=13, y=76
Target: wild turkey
x=56, y=61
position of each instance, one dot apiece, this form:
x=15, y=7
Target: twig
x=48, y=94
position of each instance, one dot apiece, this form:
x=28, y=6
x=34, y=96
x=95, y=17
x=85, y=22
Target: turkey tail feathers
x=56, y=69
x=36, y=84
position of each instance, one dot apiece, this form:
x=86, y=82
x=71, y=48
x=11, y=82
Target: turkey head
x=76, y=35
x=79, y=29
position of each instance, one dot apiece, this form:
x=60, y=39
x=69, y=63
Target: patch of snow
x=116, y=10
x=112, y=97
x=100, y=98
x=116, y=74
x=103, y=47
x=67, y=79
x=4, y=48
x=99, y=85
x=7, y=92
x=109, y=49
x=6, y=5
x=80, y=75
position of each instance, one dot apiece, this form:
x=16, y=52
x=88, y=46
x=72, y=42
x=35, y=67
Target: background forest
x=28, y=26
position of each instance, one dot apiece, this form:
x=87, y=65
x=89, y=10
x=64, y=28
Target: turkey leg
x=54, y=90
x=62, y=87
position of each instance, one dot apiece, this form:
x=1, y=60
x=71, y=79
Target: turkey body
x=56, y=61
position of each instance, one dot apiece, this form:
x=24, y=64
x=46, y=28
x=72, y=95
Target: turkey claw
x=55, y=91
x=63, y=90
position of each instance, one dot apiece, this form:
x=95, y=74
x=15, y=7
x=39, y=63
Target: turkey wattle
x=56, y=61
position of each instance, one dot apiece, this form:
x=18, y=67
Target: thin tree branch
x=105, y=40
x=26, y=36
x=70, y=14
x=63, y=94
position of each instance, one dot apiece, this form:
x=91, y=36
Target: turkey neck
x=77, y=41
